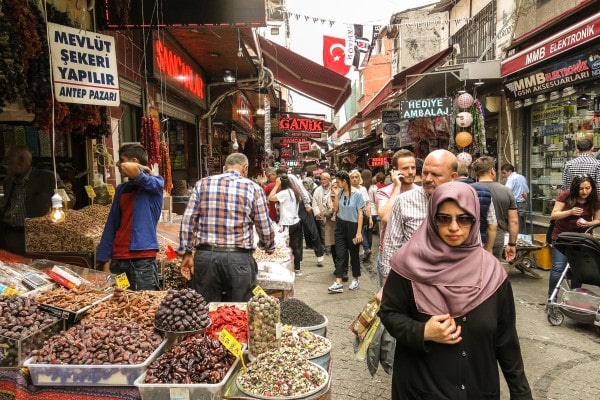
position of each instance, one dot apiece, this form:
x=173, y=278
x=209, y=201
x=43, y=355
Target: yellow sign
x=90, y=192
x=258, y=290
x=232, y=344
x=122, y=281
x=110, y=189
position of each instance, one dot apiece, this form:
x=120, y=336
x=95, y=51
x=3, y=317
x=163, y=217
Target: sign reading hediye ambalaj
x=425, y=107
x=84, y=66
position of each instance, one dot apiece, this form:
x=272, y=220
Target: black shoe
x=345, y=278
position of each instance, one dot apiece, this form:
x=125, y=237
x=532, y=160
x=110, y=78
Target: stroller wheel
x=526, y=262
x=555, y=316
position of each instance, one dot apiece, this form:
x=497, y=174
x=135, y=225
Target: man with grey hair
x=219, y=223
x=411, y=208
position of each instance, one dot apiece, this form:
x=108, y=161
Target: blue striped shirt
x=222, y=211
x=518, y=185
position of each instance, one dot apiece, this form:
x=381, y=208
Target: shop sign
x=566, y=73
x=378, y=161
x=243, y=111
x=177, y=70
x=303, y=147
x=290, y=140
x=301, y=124
x=391, y=129
x=420, y=108
x=307, y=135
x=84, y=66
x=389, y=116
x=391, y=142
x=570, y=38
x=293, y=163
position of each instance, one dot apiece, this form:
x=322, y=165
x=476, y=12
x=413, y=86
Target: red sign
x=177, y=69
x=303, y=147
x=301, y=124
x=567, y=39
x=377, y=161
x=289, y=140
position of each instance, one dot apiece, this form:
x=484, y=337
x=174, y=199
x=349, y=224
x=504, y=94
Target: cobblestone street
x=561, y=362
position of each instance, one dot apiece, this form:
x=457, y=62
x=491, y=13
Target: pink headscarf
x=446, y=279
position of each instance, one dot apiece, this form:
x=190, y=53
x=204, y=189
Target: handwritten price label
x=232, y=344
x=258, y=290
x=110, y=189
x=90, y=192
x=122, y=281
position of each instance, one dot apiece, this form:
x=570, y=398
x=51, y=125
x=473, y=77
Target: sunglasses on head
x=463, y=220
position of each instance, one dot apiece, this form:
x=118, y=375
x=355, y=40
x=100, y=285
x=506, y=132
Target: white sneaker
x=336, y=288
x=298, y=272
x=354, y=285
x=320, y=261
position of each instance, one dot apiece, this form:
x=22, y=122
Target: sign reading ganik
x=84, y=66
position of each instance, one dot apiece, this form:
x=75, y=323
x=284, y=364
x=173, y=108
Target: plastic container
x=89, y=375
x=16, y=351
x=71, y=316
x=198, y=391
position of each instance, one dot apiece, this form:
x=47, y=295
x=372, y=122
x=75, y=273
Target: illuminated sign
x=301, y=124
x=243, y=110
x=175, y=68
x=290, y=140
x=378, y=161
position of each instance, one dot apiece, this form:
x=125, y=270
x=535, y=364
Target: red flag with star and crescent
x=334, y=50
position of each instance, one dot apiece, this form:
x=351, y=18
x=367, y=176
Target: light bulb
x=57, y=214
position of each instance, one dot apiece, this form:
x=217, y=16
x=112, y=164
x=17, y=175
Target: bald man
x=411, y=208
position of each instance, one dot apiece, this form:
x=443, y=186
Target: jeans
x=523, y=210
x=559, y=263
x=142, y=273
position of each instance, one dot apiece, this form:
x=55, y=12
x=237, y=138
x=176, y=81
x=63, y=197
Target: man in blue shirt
x=518, y=185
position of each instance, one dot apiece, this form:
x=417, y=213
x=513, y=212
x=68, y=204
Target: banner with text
x=420, y=108
x=84, y=66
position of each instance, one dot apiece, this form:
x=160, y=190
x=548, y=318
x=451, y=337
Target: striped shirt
x=222, y=211
x=584, y=164
x=408, y=213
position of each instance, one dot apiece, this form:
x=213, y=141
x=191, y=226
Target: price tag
x=122, y=281
x=90, y=192
x=179, y=394
x=258, y=290
x=232, y=344
x=111, y=190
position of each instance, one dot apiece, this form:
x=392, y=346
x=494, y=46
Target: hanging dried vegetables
x=149, y=139
x=165, y=166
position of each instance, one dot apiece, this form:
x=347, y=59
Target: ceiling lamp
x=228, y=77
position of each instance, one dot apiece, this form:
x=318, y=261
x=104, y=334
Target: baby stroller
x=583, y=255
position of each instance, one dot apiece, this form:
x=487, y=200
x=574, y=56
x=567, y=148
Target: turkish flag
x=334, y=50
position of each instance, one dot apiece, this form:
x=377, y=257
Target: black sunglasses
x=463, y=220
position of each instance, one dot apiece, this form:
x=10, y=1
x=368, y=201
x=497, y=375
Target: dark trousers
x=142, y=273
x=345, y=231
x=295, y=233
x=367, y=234
x=311, y=231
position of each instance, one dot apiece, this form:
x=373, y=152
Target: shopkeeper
x=27, y=194
x=219, y=223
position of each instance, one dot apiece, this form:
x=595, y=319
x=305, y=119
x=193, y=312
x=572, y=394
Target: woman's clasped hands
x=442, y=329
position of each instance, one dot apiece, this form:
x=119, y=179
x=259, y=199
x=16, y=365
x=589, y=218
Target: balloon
x=464, y=119
x=463, y=139
x=465, y=158
x=465, y=100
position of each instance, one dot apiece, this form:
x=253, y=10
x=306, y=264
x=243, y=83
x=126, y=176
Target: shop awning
x=305, y=76
x=401, y=82
x=355, y=146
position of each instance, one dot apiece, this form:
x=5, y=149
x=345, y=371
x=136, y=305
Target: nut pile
x=172, y=275
x=280, y=373
x=280, y=253
x=195, y=360
x=97, y=212
x=69, y=299
x=20, y=318
x=138, y=307
x=99, y=342
x=79, y=233
x=182, y=310
x=263, y=319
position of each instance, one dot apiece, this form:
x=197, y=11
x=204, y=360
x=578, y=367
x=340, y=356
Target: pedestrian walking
x=451, y=308
x=348, y=206
x=323, y=211
x=520, y=189
x=218, y=223
x=367, y=229
x=129, y=243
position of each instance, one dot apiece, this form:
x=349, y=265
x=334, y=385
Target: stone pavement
x=561, y=362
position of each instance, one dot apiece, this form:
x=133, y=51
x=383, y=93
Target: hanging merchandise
x=165, y=166
x=478, y=128
x=150, y=139
x=441, y=125
x=465, y=158
x=464, y=119
x=464, y=101
x=463, y=139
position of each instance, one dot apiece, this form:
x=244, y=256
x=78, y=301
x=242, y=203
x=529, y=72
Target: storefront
x=554, y=88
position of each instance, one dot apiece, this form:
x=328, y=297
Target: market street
x=561, y=362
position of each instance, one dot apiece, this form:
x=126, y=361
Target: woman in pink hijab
x=450, y=307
